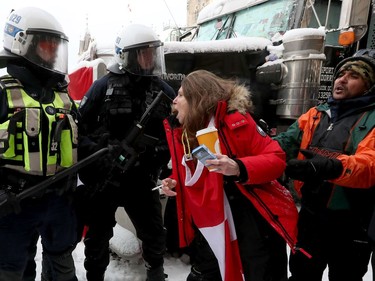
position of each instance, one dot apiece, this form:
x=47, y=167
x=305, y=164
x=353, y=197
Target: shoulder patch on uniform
x=83, y=101
x=260, y=131
x=8, y=82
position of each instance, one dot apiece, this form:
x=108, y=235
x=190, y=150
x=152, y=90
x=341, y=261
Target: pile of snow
x=124, y=243
x=239, y=44
x=120, y=269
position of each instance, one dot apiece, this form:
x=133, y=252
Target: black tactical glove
x=98, y=171
x=314, y=168
x=105, y=164
x=114, y=152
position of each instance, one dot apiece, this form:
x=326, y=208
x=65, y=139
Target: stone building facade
x=193, y=9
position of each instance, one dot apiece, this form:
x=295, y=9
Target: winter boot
x=10, y=275
x=156, y=274
x=195, y=275
x=59, y=266
x=94, y=275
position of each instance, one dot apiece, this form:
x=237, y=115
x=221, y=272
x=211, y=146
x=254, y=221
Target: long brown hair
x=202, y=91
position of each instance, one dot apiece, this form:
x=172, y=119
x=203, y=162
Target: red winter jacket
x=264, y=160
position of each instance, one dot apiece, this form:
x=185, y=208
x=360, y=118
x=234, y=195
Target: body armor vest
x=342, y=137
x=125, y=102
x=37, y=138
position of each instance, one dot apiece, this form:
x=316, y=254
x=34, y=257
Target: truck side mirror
x=353, y=20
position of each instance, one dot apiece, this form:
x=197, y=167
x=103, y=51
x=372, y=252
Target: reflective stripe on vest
x=21, y=139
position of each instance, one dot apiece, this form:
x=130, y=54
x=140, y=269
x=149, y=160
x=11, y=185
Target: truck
x=285, y=51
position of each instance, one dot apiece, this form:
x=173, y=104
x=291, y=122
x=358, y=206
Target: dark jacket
x=111, y=108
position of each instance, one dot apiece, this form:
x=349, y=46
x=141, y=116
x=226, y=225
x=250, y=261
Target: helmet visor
x=49, y=51
x=145, y=61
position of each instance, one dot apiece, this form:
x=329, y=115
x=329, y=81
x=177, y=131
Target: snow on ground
x=131, y=267
x=127, y=265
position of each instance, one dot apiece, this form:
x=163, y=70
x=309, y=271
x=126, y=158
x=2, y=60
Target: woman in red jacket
x=237, y=218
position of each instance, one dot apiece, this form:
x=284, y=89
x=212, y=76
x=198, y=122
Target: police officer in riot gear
x=109, y=110
x=38, y=138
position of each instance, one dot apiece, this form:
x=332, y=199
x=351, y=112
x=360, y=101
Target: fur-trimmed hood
x=240, y=100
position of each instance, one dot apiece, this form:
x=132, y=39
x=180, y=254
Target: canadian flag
x=80, y=82
x=82, y=78
x=212, y=215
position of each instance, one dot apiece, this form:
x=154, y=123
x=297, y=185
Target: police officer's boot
x=10, y=275
x=196, y=275
x=59, y=266
x=94, y=275
x=156, y=274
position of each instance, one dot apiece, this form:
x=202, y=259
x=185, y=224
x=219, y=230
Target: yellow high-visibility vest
x=37, y=138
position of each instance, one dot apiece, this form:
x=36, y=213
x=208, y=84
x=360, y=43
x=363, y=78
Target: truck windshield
x=262, y=20
x=265, y=19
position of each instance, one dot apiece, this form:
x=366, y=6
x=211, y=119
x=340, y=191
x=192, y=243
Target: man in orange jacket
x=331, y=153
